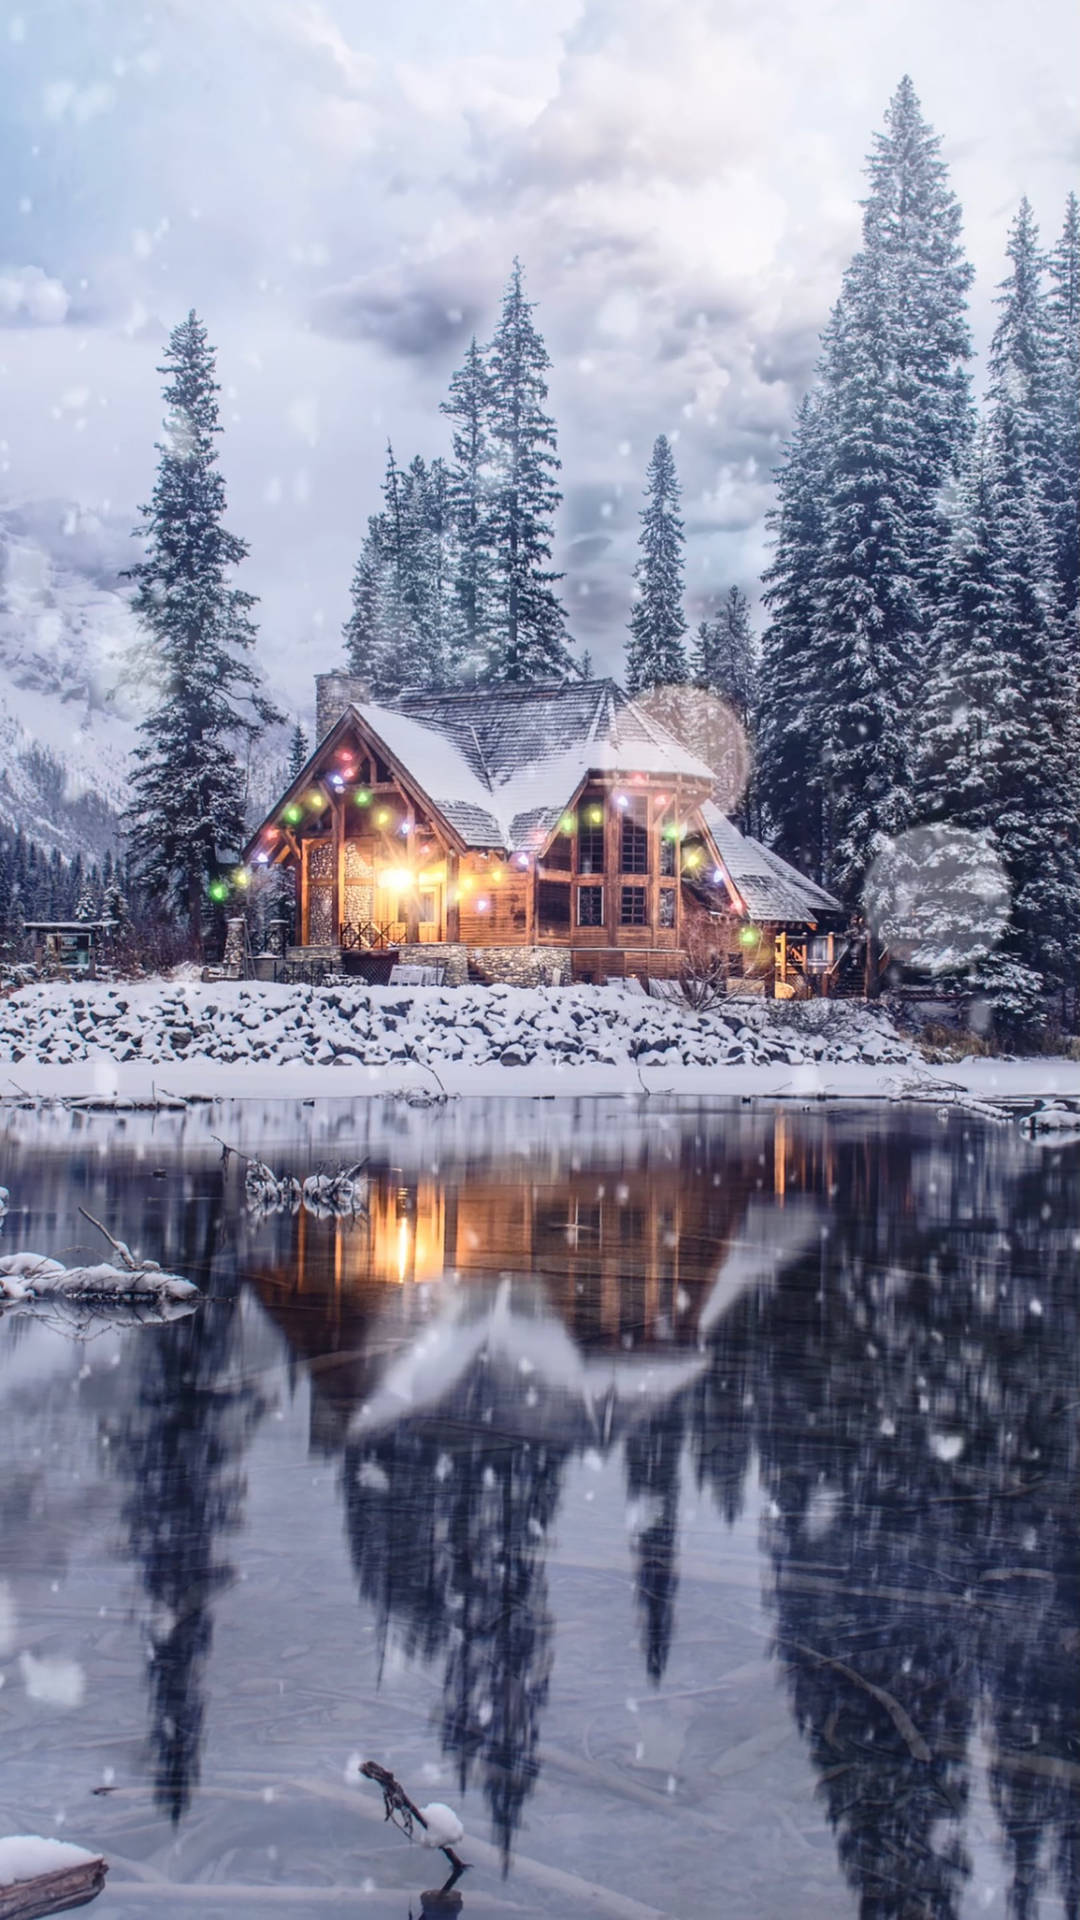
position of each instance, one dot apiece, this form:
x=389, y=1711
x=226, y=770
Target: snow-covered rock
x=250, y=1022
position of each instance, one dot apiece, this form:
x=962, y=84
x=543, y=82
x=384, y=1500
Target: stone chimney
x=333, y=693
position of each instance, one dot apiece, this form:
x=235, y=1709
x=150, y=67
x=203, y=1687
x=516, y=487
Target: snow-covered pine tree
x=372, y=644
x=528, y=635
x=1063, y=487
x=793, y=716
x=86, y=906
x=469, y=489
x=419, y=568
x=899, y=418
x=298, y=751
x=1021, y=353
x=723, y=661
x=655, y=654
x=396, y=631
x=993, y=758
x=187, y=780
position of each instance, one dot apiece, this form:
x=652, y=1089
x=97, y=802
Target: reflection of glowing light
x=402, y=1247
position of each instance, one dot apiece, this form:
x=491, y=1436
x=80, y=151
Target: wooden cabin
x=535, y=834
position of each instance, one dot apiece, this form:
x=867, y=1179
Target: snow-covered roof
x=501, y=763
x=769, y=888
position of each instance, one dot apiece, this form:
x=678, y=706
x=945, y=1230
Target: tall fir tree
x=197, y=633
x=469, y=490
x=399, y=631
x=723, y=661
x=793, y=715
x=1063, y=485
x=895, y=417
x=298, y=751
x=655, y=653
x=528, y=637
x=1021, y=352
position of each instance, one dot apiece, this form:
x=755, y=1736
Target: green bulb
x=363, y=797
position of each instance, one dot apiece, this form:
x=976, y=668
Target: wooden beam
x=337, y=842
x=453, y=905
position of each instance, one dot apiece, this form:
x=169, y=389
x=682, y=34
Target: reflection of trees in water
x=447, y=1529
x=907, y=1408
x=910, y=1414
x=653, y=1456
x=180, y=1446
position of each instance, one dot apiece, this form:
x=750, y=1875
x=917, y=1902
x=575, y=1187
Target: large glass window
x=665, y=907
x=669, y=856
x=552, y=908
x=590, y=906
x=635, y=838
x=634, y=907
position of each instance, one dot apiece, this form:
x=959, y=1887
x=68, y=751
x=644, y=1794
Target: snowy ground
x=158, y=1040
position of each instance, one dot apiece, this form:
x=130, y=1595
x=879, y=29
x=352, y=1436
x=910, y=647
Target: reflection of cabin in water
x=627, y=1256
x=534, y=833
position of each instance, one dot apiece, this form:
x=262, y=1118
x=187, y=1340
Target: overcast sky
x=339, y=186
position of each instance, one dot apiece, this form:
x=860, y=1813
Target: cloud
x=30, y=297
x=413, y=320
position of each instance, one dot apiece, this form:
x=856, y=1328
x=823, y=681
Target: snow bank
x=238, y=1023
x=25, y=1856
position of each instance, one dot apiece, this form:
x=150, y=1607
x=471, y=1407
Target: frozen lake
x=687, y=1495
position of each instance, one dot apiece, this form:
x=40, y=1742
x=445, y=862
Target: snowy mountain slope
x=65, y=733
x=67, y=725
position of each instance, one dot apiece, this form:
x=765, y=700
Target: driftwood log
x=53, y=1892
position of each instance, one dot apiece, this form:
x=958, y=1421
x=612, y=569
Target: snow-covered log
x=40, y=1877
x=33, y=1276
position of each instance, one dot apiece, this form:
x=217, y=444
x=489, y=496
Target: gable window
x=633, y=907
x=634, y=838
x=665, y=908
x=590, y=906
x=591, y=836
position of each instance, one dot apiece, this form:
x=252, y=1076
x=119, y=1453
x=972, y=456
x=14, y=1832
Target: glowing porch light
x=396, y=879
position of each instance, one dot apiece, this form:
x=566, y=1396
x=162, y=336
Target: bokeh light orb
x=937, y=897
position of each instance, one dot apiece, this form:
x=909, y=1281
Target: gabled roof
x=769, y=888
x=503, y=763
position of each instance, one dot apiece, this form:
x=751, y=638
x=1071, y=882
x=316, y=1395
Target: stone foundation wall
x=515, y=966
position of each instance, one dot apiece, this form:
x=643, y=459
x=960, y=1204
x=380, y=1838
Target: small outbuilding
x=74, y=945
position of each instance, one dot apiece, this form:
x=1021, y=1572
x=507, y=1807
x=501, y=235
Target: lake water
x=688, y=1495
